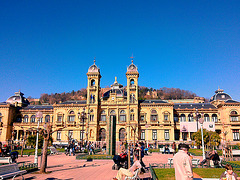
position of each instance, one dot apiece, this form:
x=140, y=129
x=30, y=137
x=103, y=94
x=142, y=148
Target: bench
x=135, y=175
x=5, y=160
x=53, y=150
x=236, y=152
x=195, y=162
x=10, y=170
x=171, y=151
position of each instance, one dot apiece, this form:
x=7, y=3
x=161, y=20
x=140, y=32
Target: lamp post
x=201, y=120
x=39, y=115
x=82, y=116
x=197, y=117
x=147, y=126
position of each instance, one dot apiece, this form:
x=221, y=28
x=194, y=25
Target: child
x=229, y=174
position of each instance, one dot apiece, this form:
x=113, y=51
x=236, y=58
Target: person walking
x=183, y=163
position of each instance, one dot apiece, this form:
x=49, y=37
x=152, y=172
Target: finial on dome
x=115, y=79
x=132, y=58
x=94, y=60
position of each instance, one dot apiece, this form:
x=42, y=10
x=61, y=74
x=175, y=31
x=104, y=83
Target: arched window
x=206, y=118
x=47, y=118
x=102, y=134
x=25, y=119
x=32, y=119
x=182, y=118
x=132, y=82
x=214, y=118
x=71, y=116
x=0, y=117
x=122, y=134
x=92, y=82
x=154, y=115
x=112, y=112
x=190, y=118
x=131, y=115
x=176, y=118
x=132, y=98
x=233, y=116
x=122, y=116
x=19, y=118
x=166, y=116
x=103, y=116
x=92, y=98
x=59, y=117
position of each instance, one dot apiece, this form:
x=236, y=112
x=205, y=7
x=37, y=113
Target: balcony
x=59, y=123
x=102, y=122
x=132, y=87
x=71, y=123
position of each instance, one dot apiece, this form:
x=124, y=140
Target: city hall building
x=116, y=114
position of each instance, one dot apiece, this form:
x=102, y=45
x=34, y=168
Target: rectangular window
x=165, y=117
x=154, y=134
x=70, y=134
x=59, y=119
x=91, y=117
x=142, y=134
x=103, y=117
x=154, y=117
x=234, y=118
x=59, y=135
x=236, y=135
x=166, y=135
x=132, y=117
x=142, y=118
x=122, y=118
x=71, y=118
x=81, y=134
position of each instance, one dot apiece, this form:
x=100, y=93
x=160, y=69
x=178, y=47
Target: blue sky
x=47, y=46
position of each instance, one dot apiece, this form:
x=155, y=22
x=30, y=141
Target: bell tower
x=132, y=84
x=93, y=87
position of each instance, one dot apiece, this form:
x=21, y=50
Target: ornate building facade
x=118, y=115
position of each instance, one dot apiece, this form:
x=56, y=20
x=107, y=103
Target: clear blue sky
x=47, y=46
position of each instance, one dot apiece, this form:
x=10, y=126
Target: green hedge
x=95, y=156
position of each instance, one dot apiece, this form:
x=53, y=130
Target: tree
x=211, y=139
x=46, y=133
x=31, y=141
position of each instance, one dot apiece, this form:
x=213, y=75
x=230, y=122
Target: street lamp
x=201, y=120
x=197, y=117
x=147, y=126
x=39, y=115
x=82, y=116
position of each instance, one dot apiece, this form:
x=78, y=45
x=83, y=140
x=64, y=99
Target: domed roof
x=115, y=88
x=19, y=99
x=221, y=96
x=132, y=68
x=93, y=68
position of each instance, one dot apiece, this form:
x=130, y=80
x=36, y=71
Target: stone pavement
x=67, y=167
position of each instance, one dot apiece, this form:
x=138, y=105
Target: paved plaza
x=67, y=167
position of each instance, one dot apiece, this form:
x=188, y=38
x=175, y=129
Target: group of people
x=183, y=165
